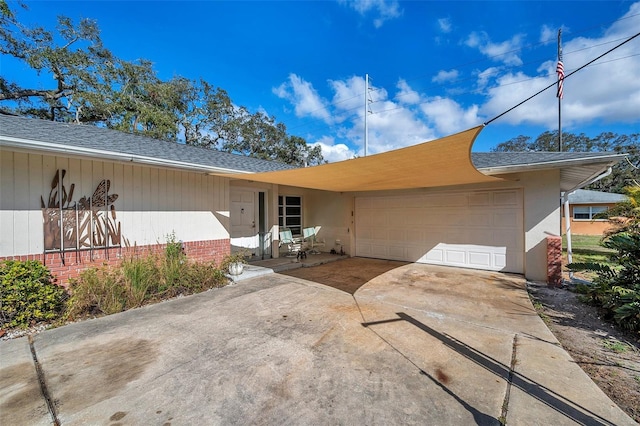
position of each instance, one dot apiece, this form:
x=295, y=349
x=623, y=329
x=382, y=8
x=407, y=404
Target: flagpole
x=560, y=71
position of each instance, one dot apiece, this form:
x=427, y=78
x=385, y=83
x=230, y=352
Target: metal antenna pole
x=366, y=108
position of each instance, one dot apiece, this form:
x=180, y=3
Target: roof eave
x=53, y=148
x=606, y=160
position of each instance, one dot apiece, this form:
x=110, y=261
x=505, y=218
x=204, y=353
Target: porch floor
x=258, y=267
x=284, y=263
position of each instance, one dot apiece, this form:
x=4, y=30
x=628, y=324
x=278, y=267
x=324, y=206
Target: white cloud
x=444, y=76
x=304, y=97
x=385, y=9
x=333, y=152
x=449, y=116
x=348, y=94
x=445, y=25
x=505, y=52
x=547, y=35
x=485, y=75
x=406, y=94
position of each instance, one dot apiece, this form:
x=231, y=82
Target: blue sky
x=436, y=68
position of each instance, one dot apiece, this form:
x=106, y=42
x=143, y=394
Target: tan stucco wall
x=152, y=202
x=332, y=211
x=586, y=227
x=541, y=219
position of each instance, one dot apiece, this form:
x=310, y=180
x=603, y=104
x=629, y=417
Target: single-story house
x=76, y=196
x=584, y=205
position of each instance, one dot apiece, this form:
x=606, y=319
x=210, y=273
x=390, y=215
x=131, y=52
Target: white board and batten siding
x=472, y=229
x=152, y=202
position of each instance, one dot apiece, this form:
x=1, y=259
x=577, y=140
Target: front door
x=244, y=230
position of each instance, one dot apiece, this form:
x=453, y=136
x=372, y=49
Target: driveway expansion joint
x=43, y=384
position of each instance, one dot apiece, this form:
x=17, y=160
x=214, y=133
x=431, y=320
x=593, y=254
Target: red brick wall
x=75, y=262
x=554, y=261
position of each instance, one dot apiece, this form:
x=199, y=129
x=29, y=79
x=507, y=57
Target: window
x=587, y=212
x=290, y=213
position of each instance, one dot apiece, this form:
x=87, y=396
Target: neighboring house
x=584, y=205
x=117, y=194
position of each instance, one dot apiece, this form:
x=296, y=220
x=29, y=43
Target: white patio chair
x=294, y=245
x=311, y=236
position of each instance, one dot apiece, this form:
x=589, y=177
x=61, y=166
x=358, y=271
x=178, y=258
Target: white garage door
x=478, y=229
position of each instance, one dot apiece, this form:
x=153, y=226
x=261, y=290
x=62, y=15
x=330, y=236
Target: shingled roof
x=99, y=141
x=585, y=196
x=96, y=142
x=505, y=160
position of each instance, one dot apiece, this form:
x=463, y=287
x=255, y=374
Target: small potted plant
x=234, y=262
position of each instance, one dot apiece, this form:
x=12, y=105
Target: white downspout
x=567, y=221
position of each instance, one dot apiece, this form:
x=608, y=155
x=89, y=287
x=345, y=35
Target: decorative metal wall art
x=90, y=223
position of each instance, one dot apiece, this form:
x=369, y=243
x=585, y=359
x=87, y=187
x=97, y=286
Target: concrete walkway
x=416, y=345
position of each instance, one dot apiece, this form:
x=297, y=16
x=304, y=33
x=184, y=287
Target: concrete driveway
x=417, y=344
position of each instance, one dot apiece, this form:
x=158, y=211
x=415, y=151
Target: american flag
x=560, y=71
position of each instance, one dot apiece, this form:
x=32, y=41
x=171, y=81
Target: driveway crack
x=43, y=385
x=512, y=368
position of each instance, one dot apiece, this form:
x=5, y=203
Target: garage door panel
x=450, y=200
x=379, y=250
x=507, y=198
x=412, y=217
x=379, y=233
x=480, y=237
x=455, y=257
x=397, y=252
x=480, y=259
x=435, y=255
x=482, y=219
x=507, y=219
x=431, y=218
x=481, y=229
x=479, y=199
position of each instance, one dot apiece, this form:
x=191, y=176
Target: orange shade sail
x=441, y=162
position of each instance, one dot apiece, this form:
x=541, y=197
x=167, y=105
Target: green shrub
x=617, y=288
x=27, y=294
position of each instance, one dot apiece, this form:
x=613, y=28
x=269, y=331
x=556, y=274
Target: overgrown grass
x=28, y=295
x=139, y=281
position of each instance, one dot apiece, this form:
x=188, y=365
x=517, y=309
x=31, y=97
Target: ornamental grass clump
x=139, y=281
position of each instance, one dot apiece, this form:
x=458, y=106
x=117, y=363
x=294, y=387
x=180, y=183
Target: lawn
x=585, y=249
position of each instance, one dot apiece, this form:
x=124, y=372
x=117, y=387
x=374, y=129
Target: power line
x=565, y=77
x=477, y=91
x=485, y=59
x=528, y=46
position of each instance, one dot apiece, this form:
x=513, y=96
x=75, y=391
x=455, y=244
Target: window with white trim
x=587, y=212
x=290, y=213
